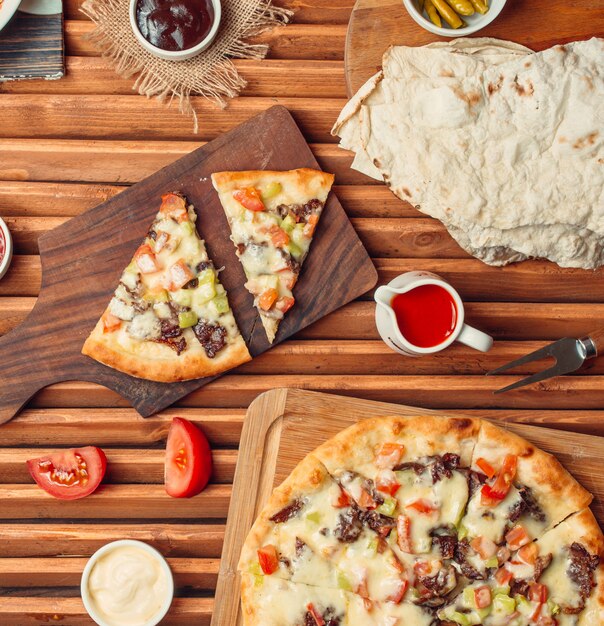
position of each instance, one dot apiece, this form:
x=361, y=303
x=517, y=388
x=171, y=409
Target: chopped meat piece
x=178, y=346
x=418, y=468
x=443, y=466
x=192, y=284
x=461, y=555
x=211, y=336
x=446, y=544
x=300, y=545
x=434, y=589
x=288, y=512
x=581, y=569
x=349, y=525
x=379, y=523
x=369, y=487
x=300, y=212
x=541, y=564
x=329, y=617
x=170, y=329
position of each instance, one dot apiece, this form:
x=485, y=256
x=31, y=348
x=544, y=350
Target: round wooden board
x=377, y=24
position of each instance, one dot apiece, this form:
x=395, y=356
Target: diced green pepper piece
x=504, y=604
x=294, y=250
x=288, y=224
x=372, y=545
x=254, y=568
x=206, y=276
x=186, y=319
x=156, y=296
x=221, y=304
x=204, y=293
x=469, y=599
x=462, y=532
x=343, y=582
x=505, y=590
x=492, y=562
x=298, y=236
x=271, y=190
x=482, y=613
x=258, y=580
x=387, y=507
x=460, y=618
x=314, y=517
x=187, y=228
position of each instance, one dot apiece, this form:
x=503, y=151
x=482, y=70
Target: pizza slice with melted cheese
x=273, y=216
x=169, y=318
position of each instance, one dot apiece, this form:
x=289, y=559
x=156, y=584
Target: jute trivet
x=211, y=74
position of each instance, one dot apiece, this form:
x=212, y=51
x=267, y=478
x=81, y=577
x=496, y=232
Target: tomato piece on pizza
x=169, y=318
x=273, y=217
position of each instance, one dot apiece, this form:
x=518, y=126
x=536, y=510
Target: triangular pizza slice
x=169, y=318
x=273, y=216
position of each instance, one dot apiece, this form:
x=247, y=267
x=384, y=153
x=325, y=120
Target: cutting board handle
x=26, y=363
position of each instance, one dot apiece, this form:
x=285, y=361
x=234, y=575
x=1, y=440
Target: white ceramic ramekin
x=177, y=55
x=474, y=22
x=8, y=253
x=84, y=590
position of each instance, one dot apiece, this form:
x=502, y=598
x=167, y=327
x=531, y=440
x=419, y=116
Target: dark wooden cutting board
x=82, y=261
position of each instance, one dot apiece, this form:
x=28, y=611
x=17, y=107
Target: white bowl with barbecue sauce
x=175, y=30
x=127, y=583
x=6, y=248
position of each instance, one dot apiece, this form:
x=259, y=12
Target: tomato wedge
x=342, y=501
x=250, y=199
x=482, y=597
x=69, y=474
x=268, y=559
x=486, y=467
x=389, y=455
x=110, y=322
x=491, y=495
x=422, y=506
x=403, y=530
x=516, y=538
x=188, y=464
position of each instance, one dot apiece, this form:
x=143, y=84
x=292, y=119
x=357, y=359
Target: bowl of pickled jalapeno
x=454, y=18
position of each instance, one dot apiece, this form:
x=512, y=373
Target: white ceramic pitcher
x=387, y=326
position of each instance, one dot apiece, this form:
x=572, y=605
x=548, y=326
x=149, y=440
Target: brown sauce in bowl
x=174, y=25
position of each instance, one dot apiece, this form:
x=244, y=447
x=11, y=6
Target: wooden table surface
x=66, y=146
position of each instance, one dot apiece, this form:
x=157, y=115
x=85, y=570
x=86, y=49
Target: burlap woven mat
x=211, y=74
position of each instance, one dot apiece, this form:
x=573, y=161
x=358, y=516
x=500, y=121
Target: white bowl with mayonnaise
x=127, y=583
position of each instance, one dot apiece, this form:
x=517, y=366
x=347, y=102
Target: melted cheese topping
x=489, y=521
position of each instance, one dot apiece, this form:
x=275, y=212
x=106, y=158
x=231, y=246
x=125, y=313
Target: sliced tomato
x=403, y=530
x=279, y=237
x=311, y=224
x=422, y=506
x=267, y=298
x=145, y=259
x=179, y=275
x=386, y=482
x=397, y=595
x=174, y=206
x=535, y=617
x=287, y=277
x=250, y=199
x=537, y=593
x=366, y=501
x=491, y=495
x=389, y=455
x=188, y=464
x=482, y=597
x=284, y=304
x=516, y=538
x=503, y=554
x=503, y=576
x=486, y=467
x=422, y=568
x=529, y=553
x=342, y=501
x=484, y=547
x=268, y=559
x=110, y=322
x=69, y=474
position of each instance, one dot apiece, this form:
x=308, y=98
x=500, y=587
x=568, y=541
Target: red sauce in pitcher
x=2, y=245
x=174, y=25
x=426, y=315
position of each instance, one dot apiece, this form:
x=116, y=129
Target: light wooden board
x=284, y=425
x=377, y=24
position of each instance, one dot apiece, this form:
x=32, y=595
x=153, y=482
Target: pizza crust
x=305, y=181
x=160, y=363
x=556, y=491
x=422, y=436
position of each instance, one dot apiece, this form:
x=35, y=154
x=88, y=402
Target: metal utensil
x=569, y=353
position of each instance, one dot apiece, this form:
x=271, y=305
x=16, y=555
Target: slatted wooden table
x=66, y=146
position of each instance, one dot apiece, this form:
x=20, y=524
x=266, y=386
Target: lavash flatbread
x=507, y=151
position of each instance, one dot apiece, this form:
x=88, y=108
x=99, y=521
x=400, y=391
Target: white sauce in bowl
x=127, y=583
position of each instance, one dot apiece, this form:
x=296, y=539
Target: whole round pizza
x=425, y=521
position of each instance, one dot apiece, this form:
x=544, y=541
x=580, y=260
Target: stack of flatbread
x=505, y=146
